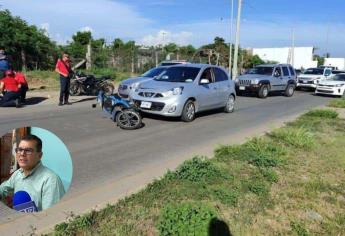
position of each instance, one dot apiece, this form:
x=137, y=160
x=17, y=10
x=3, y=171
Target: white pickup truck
x=312, y=77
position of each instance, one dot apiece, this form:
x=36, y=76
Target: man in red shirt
x=63, y=67
x=10, y=88
x=20, y=78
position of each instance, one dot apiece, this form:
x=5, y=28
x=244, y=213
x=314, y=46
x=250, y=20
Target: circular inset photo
x=35, y=169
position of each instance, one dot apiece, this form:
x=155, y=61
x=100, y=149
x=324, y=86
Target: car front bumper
x=335, y=91
x=247, y=88
x=170, y=106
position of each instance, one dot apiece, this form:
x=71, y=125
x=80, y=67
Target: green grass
x=265, y=186
x=338, y=103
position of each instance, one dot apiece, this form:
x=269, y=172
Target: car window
x=327, y=72
x=285, y=71
x=292, y=71
x=220, y=75
x=207, y=74
x=277, y=72
x=339, y=77
x=313, y=71
x=179, y=74
x=153, y=72
x=261, y=70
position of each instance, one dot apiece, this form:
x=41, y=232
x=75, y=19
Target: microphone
x=22, y=202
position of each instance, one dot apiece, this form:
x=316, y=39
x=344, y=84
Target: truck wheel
x=289, y=91
x=188, y=112
x=230, y=104
x=263, y=91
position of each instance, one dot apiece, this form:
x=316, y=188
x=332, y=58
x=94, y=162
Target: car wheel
x=230, y=104
x=289, y=91
x=188, y=112
x=263, y=91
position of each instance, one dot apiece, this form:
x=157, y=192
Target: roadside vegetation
x=338, y=103
x=49, y=80
x=288, y=182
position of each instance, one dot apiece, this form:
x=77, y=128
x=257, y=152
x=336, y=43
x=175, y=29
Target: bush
x=269, y=175
x=197, y=169
x=322, y=113
x=296, y=137
x=191, y=218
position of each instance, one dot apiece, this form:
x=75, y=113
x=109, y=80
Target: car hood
x=160, y=86
x=332, y=82
x=310, y=77
x=253, y=76
x=134, y=80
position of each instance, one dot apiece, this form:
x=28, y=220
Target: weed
x=296, y=137
x=225, y=195
x=322, y=113
x=197, y=169
x=190, y=218
x=339, y=103
x=299, y=228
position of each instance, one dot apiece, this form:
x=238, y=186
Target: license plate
x=146, y=105
x=304, y=81
x=242, y=88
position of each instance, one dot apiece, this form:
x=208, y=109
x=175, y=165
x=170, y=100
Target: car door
x=286, y=77
x=223, y=86
x=206, y=93
x=276, y=82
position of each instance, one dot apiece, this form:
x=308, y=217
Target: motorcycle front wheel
x=129, y=119
x=108, y=89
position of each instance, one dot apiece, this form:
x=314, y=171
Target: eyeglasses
x=27, y=151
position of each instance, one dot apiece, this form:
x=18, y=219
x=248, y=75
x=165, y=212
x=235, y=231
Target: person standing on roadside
x=4, y=65
x=63, y=67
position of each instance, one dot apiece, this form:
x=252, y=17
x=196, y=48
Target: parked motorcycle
x=90, y=85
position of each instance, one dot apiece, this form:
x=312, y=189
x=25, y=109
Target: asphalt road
x=102, y=152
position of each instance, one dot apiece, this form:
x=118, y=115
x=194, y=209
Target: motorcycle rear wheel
x=74, y=89
x=129, y=119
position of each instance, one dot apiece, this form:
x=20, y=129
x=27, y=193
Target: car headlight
x=135, y=85
x=174, y=91
x=255, y=81
x=237, y=81
x=339, y=85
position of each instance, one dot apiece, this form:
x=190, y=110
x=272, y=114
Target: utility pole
x=88, y=56
x=237, y=40
x=231, y=30
x=293, y=48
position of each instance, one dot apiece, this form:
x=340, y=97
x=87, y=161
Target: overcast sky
x=264, y=23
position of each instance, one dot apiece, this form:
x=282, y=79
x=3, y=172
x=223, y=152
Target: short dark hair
x=31, y=137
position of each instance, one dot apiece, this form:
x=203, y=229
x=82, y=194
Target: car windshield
x=339, y=77
x=153, y=72
x=261, y=70
x=313, y=71
x=179, y=74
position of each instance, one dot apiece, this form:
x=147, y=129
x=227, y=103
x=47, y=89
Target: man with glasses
x=63, y=67
x=42, y=184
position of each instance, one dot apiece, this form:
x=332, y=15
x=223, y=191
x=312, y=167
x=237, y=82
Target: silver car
x=184, y=90
x=128, y=86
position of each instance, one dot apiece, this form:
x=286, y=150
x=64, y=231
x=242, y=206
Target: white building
x=339, y=63
x=303, y=56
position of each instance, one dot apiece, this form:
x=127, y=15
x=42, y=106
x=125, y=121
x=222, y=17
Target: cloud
x=107, y=18
x=86, y=29
x=164, y=37
x=45, y=27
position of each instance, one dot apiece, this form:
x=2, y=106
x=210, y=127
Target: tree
x=320, y=60
x=27, y=46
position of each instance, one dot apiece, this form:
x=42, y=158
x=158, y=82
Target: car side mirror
x=204, y=81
